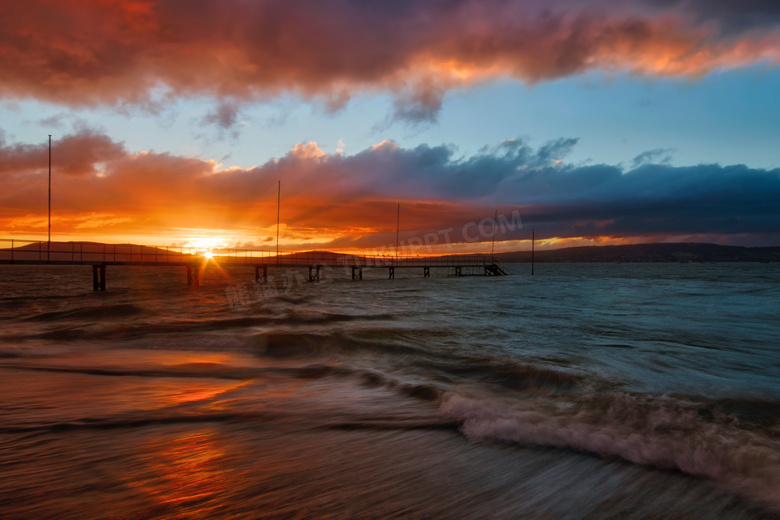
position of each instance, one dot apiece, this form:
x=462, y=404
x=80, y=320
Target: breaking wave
x=736, y=452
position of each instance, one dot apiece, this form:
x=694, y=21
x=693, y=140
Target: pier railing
x=26, y=251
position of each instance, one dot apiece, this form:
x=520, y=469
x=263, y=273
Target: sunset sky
x=602, y=122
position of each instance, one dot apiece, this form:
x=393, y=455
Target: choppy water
x=587, y=391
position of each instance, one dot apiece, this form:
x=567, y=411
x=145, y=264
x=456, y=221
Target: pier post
x=391, y=275
x=357, y=273
x=102, y=277
x=457, y=271
x=314, y=277
x=95, y=283
x=192, y=279
x=426, y=272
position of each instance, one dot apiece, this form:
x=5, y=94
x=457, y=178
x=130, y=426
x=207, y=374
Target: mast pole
x=397, y=227
x=48, y=247
x=493, y=245
x=278, y=208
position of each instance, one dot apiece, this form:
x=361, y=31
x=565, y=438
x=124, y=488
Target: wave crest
x=665, y=432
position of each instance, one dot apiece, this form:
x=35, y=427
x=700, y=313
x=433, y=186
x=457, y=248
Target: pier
x=101, y=256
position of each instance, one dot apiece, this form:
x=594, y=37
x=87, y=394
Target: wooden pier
x=101, y=256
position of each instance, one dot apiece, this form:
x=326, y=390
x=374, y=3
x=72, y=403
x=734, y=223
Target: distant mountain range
x=682, y=252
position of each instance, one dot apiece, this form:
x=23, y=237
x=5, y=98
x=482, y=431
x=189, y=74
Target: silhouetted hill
x=682, y=252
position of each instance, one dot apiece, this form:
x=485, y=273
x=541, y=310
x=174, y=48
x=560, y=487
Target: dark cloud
x=662, y=200
x=418, y=107
x=733, y=16
x=657, y=156
x=225, y=116
x=56, y=121
x=76, y=154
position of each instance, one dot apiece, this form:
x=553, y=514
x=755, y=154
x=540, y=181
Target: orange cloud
x=350, y=201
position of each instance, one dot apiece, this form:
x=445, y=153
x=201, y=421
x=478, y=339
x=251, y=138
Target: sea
x=585, y=391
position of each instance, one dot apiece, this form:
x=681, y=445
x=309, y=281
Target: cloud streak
x=351, y=199
x=86, y=53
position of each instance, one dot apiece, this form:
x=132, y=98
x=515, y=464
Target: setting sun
x=205, y=245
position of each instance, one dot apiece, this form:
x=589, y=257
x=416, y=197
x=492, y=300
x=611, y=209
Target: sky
x=589, y=122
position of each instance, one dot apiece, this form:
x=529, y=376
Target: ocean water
x=585, y=391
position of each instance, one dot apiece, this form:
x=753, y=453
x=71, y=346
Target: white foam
x=659, y=431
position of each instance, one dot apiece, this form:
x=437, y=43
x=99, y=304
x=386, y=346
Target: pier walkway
x=100, y=256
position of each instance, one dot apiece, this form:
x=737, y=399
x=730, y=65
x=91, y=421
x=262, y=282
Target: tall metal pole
x=493, y=246
x=278, y=206
x=48, y=247
x=397, y=227
x=532, y=251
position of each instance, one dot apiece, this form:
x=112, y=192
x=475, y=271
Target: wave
x=325, y=422
x=282, y=344
x=412, y=355
x=205, y=371
x=101, y=323
x=358, y=376
x=662, y=431
x=109, y=423
x=516, y=376
x=97, y=312
x=313, y=317
x=188, y=370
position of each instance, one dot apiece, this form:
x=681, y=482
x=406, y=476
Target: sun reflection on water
x=188, y=472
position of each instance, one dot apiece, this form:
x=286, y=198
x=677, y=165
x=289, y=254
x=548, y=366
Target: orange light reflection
x=186, y=472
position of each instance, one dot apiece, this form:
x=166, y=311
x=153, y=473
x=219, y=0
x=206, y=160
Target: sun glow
x=205, y=246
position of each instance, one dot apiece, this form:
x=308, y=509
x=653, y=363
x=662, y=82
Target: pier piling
x=193, y=277
x=98, y=277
